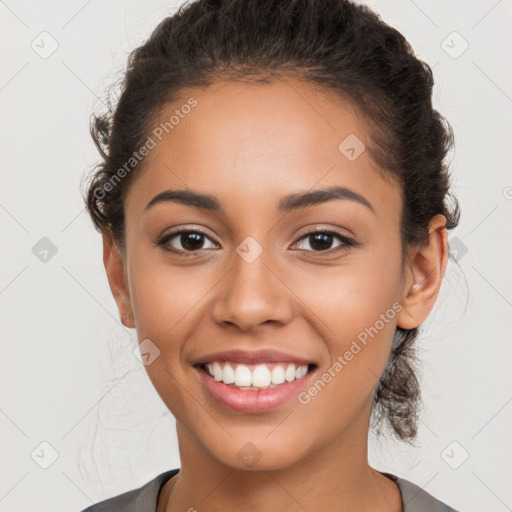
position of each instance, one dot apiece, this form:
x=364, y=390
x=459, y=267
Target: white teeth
x=278, y=375
x=217, y=371
x=228, y=375
x=243, y=375
x=259, y=376
x=301, y=371
x=289, y=374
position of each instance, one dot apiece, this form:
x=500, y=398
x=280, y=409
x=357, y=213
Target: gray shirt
x=145, y=498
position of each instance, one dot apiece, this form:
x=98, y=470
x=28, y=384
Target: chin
x=259, y=454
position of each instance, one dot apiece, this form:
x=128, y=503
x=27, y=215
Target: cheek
x=361, y=322
x=165, y=301
x=355, y=307
x=164, y=297
x=351, y=297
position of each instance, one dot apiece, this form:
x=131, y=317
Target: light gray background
x=68, y=375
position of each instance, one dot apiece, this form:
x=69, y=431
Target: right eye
x=191, y=241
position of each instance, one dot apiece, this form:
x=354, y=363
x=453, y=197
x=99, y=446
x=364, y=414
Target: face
x=315, y=282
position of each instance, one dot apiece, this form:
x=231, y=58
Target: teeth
x=289, y=374
x=228, y=375
x=278, y=375
x=257, y=377
x=261, y=376
x=301, y=371
x=242, y=375
x=217, y=371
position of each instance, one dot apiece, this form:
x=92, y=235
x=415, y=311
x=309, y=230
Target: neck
x=335, y=476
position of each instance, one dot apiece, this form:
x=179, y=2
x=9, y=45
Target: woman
x=274, y=207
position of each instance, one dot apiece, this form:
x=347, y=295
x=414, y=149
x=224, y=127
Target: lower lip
x=253, y=401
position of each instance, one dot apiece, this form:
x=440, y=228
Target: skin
x=249, y=145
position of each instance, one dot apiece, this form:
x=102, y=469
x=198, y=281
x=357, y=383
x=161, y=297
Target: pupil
x=196, y=243
x=324, y=240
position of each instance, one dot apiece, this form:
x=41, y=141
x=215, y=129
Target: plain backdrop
x=79, y=418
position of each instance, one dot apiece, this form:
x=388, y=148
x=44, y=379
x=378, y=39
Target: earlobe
x=115, y=269
x=426, y=266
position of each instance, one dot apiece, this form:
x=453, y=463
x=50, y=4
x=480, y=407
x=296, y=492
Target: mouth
x=253, y=388
x=254, y=377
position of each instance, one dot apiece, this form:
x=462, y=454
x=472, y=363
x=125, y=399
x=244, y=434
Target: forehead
x=251, y=143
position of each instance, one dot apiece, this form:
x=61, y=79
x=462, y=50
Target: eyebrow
x=286, y=204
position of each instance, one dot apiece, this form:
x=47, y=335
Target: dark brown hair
x=341, y=46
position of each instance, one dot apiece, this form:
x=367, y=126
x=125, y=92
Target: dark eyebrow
x=189, y=198
x=318, y=196
x=286, y=204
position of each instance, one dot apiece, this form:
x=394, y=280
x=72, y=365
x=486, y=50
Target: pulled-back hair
x=341, y=46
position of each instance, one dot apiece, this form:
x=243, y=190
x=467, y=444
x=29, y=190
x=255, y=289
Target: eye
x=186, y=240
x=322, y=240
x=190, y=241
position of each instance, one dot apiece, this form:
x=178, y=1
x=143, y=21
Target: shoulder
x=142, y=499
x=416, y=499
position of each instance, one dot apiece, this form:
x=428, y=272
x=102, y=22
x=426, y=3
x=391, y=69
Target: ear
x=424, y=273
x=115, y=268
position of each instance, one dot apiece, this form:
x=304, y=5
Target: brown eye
x=185, y=241
x=321, y=241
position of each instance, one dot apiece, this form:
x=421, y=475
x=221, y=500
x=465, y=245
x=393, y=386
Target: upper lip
x=255, y=357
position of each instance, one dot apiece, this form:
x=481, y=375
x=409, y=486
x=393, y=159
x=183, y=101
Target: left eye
x=319, y=241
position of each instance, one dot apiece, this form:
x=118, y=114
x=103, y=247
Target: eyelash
x=347, y=241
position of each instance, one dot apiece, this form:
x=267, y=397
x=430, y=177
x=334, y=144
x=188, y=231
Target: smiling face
x=258, y=275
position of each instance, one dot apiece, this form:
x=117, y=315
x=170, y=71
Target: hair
x=343, y=47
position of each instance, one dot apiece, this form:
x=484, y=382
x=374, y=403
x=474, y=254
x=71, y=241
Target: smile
x=253, y=377
x=253, y=388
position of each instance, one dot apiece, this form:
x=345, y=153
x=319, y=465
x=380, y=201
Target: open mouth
x=255, y=376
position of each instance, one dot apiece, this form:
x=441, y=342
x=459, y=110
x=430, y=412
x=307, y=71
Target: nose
x=253, y=294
